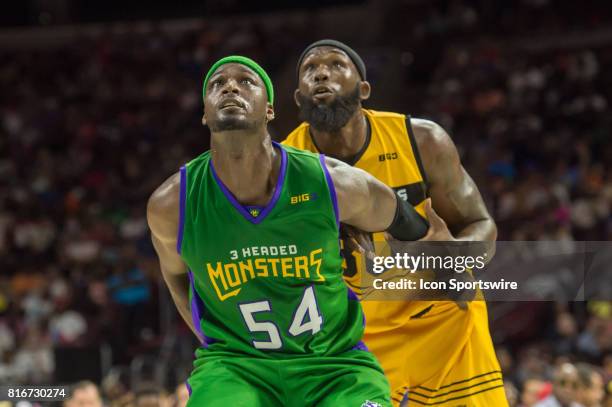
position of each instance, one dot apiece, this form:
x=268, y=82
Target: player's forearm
x=382, y=205
x=483, y=230
x=364, y=202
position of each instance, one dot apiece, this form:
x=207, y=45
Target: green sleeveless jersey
x=268, y=281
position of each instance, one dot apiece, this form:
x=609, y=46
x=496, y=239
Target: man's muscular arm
x=363, y=201
x=369, y=205
x=163, y=219
x=454, y=195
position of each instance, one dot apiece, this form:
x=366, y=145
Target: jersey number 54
x=306, y=319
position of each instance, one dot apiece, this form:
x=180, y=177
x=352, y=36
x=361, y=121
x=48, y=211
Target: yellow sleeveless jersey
x=388, y=154
x=433, y=353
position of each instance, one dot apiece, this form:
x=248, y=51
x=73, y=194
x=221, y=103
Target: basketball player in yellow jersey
x=434, y=353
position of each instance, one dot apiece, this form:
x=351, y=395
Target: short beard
x=231, y=124
x=329, y=118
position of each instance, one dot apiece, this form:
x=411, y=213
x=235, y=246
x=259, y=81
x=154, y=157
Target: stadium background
x=100, y=103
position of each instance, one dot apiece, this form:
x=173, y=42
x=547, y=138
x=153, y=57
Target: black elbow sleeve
x=407, y=224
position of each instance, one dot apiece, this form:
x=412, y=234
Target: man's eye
x=309, y=67
x=216, y=82
x=247, y=81
x=338, y=64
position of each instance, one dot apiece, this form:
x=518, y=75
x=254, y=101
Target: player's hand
x=438, y=231
x=357, y=240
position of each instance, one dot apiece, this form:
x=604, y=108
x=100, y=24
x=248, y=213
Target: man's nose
x=321, y=74
x=230, y=86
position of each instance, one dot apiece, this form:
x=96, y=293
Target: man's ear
x=270, y=112
x=204, y=119
x=296, y=98
x=364, y=90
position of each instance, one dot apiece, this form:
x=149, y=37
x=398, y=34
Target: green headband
x=248, y=62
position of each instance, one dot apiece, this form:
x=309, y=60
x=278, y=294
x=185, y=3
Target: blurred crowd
x=89, y=128
x=534, y=129
x=525, y=97
x=561, y=351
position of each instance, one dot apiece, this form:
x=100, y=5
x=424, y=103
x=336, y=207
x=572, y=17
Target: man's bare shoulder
x=166, y=196
x=436, y=148
x=343, y=175
x=430, y=136
x=333, y=163
x=163, y=205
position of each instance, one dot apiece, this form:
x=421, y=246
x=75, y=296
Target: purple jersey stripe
x=361, y=346
x=197, y=307
x=332, y=189
x=352, y=295
x=188, y=388
x=182, y=198
x=277, y=190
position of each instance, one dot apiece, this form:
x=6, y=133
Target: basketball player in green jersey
x=247, y=236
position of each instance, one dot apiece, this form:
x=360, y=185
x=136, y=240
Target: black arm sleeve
x=407, y=224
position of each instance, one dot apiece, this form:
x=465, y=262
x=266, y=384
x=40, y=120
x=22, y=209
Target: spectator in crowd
x=565, y=388
x=533, y=389
x=591, y=390
x=151, y=396
x=116, y=388
x=511, y=394
x=181, y=395
x=84, y=394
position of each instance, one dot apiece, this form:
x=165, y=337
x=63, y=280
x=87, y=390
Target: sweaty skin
x=457, y=210
x=237, y=111
x=329, y=95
